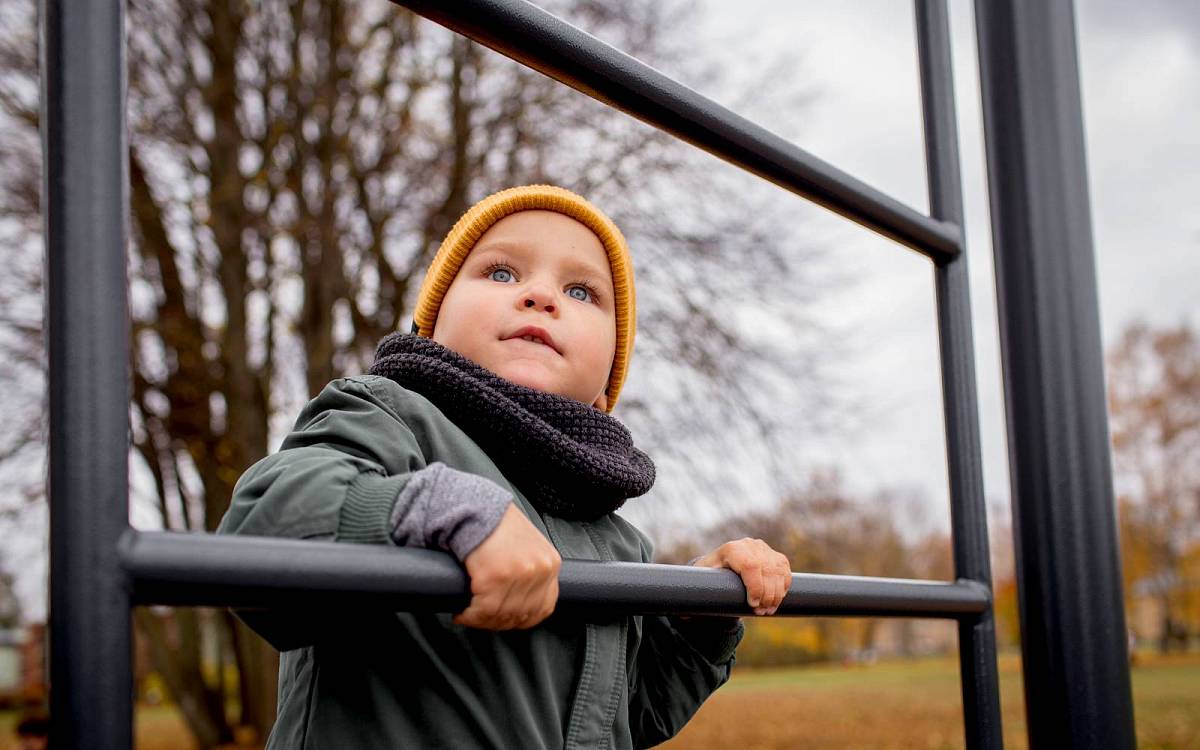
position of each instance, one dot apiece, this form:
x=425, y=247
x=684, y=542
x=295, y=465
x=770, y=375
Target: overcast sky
x=1140, y=68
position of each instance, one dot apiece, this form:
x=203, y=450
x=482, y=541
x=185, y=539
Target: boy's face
x=534, y=268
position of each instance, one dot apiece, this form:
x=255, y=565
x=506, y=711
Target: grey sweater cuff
x=444, y=508
x=368, y=506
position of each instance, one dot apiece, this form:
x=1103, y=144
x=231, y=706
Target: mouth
x=536, y=336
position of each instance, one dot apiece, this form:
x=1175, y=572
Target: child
x=485, y=432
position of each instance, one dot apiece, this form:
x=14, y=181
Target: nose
x=537, y=296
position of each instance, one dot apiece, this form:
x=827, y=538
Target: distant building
x=34, y=664
x=11, y=641
x=23, y=665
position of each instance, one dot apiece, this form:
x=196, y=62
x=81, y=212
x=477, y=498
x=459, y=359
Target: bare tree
x=1154, y=412
x=293, y=168
x=20, y=286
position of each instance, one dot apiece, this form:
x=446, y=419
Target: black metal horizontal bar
x=541, y=41
x=257, y=572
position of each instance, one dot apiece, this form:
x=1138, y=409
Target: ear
x=601, y=402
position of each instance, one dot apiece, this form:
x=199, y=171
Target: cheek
x=470, y=305
x=454, y=326
x=603, y=347
x=484, y=301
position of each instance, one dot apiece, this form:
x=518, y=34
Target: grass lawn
x=902, y=704
x=914, y=704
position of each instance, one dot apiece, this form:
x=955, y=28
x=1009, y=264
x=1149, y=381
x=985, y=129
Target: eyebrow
x=575, y=265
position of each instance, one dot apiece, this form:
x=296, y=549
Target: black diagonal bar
x=1073, y=637
x=968, y=511
x=532, y=36
x=85, y=200
x=202, y=569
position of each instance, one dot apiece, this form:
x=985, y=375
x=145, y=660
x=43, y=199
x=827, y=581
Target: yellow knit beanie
x=480, y=217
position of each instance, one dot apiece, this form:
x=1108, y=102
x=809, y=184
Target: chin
x=534, y=377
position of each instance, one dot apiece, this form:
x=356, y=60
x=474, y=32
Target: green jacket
x=403, y=680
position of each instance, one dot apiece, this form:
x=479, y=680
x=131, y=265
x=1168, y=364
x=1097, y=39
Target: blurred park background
x=294, y=166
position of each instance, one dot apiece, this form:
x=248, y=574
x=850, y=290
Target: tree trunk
x=179, y=667
x=258, y=670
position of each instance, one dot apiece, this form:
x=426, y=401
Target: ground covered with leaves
x=914, y=704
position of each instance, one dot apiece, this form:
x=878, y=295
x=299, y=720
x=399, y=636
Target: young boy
x=486, y=432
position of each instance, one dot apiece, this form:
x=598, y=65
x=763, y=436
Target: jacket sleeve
x=351, y=470
x=679, y=663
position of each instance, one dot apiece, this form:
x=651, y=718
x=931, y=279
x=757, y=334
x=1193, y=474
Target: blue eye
x=587, y=292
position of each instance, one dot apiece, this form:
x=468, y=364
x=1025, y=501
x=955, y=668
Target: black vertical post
x=85, y=202
x=968, y=510
x=1073, y=637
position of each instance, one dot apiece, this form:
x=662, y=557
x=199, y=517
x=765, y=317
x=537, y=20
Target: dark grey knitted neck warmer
x=570, y=459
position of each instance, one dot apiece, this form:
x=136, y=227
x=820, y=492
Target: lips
x=535, y=332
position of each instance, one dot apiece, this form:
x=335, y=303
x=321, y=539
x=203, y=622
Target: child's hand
x=766, y=574
x=514, y=576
